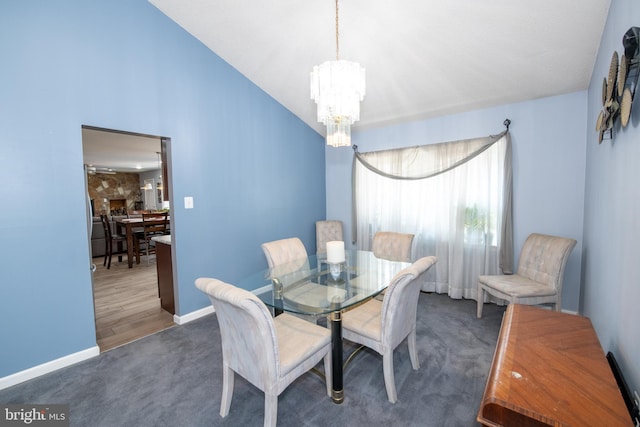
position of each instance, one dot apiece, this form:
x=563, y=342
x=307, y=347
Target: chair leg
x=480, y=301
x=413, y=350
x=389, y=379
x=110, y=251
x=328, y=372
x=227, y=390
x=270, y=410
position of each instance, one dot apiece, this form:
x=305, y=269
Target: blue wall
x=548, y=137
x=255, y=171
x=612, y=210
x=565, y=183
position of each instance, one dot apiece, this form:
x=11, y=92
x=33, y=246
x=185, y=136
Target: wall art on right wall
x=619, y=86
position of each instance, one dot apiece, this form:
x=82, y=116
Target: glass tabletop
x=313, y=286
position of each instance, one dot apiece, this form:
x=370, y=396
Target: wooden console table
x=549, y=370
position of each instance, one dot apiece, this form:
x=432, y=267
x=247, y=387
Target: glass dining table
x=312, y=286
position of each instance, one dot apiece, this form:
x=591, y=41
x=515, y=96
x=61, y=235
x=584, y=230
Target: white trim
x=262, y=290
x=80, y=356
x=181, y=320
x=48, y=367
x=545, y=306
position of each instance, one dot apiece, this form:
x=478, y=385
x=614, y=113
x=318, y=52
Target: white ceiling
x=423, y=58
x=120, y=152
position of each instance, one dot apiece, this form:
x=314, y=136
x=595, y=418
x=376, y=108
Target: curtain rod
x=506, y=123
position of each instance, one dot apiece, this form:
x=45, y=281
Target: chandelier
x=338, y=87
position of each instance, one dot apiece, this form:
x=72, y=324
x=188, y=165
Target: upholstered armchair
x=327, y=231
x=392, y=246
x=383, y=325
x=268, y=352
x=539, y=277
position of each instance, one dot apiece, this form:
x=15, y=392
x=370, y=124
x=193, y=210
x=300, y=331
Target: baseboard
x=189, y=317
x=45, y=368
x=181, y=320
x=262, y=290
x=562, y=310
x=80, y=356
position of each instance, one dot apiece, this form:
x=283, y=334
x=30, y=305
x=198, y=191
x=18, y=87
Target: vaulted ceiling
x=423, y=58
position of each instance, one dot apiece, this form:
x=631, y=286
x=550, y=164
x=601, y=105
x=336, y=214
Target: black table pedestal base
x=337, y=391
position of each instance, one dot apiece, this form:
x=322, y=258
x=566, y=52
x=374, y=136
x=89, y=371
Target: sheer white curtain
x=455, y=197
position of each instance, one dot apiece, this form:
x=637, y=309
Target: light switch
x=188, y=202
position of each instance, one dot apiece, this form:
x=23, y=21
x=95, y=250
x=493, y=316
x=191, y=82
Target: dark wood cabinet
x=165, y=276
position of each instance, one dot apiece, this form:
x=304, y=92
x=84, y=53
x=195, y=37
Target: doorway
x=119, y=167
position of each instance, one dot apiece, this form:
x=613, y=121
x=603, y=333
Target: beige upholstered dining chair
x=268, y=352
x=383, y=325
x=327, y=231
x=392, y=246
x=284, y=251
x=289, y=253
x=538, y=279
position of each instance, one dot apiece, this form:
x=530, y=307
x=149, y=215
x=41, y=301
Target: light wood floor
x=126, y=300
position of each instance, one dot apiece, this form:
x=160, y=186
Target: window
x=455, y=197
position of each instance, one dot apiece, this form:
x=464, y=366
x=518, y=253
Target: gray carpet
x=174, y=378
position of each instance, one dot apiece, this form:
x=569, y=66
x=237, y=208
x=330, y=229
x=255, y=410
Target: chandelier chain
x=337, y=35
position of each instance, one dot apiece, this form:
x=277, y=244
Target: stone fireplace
x=114, y=194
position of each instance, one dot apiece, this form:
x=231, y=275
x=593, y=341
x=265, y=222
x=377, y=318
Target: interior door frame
x=166, y=180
